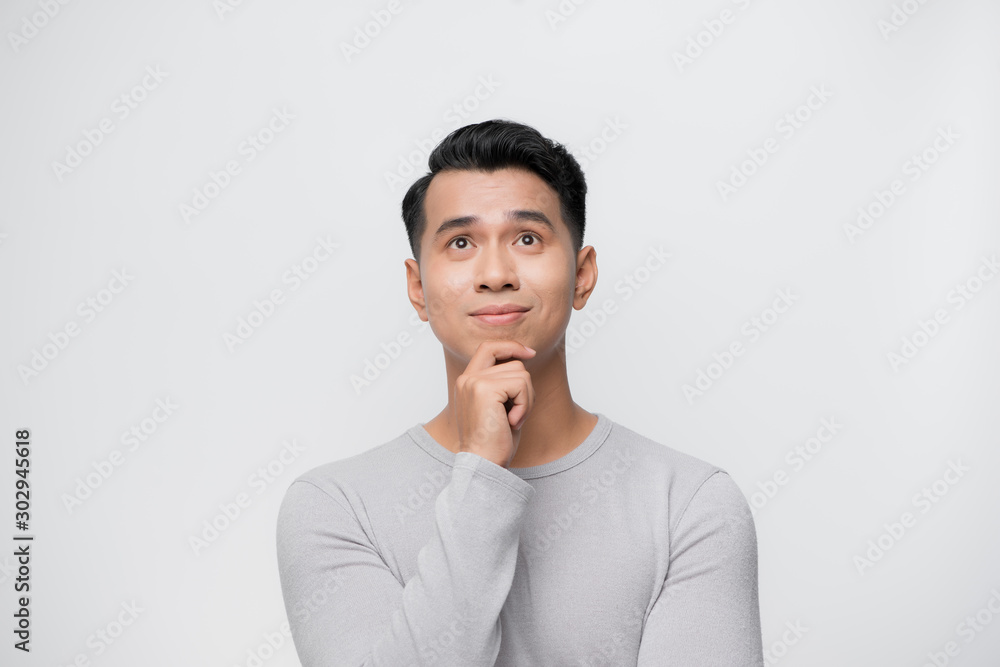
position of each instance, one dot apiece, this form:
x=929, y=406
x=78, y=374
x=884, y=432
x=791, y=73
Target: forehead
x=455, y=193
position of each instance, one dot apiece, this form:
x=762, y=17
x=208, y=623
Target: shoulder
x=372, y=473
x=674, y=466
x=680, y=479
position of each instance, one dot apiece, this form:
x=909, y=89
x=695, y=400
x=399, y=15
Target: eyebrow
x=462, y=222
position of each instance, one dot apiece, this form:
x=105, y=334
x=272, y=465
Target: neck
x=555, y=425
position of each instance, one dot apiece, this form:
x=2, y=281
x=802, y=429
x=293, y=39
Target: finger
x=490, y=351
x=521, y=401
x=504, y=367
x=525, y=410
x=514, y=388
x=531, y=398
x=529, y=402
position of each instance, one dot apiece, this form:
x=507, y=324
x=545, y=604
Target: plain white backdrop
x=200, y=242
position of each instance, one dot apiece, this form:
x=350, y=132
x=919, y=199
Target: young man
x=515, y=528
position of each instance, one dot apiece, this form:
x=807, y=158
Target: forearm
x=446, y=614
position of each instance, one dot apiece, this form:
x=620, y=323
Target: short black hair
x=498, y=144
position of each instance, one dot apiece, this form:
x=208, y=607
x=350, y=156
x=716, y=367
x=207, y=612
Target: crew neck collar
x=582, y=451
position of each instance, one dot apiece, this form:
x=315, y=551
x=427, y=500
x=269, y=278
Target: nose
x=496, y=269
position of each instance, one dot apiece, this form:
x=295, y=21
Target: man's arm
x=708, y=611
x=345, y=606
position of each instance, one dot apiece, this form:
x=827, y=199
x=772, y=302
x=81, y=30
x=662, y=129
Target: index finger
x=490, y=352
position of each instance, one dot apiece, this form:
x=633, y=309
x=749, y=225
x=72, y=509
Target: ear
x=586, y=276
x=415, y=288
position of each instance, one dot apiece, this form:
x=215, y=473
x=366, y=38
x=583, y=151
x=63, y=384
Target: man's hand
x=494, y=382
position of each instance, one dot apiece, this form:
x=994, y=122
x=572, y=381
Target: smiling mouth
x=505, y=318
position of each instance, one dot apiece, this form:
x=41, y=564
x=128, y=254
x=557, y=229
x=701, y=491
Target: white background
x=684, y=127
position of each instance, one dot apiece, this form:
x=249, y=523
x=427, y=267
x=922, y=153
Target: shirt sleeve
x=707, y=613
x=346, y=607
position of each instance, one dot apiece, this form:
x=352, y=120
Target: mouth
x=504, y=313
x=500, y=318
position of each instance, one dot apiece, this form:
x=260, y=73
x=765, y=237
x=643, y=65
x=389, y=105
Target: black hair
x=498, y=144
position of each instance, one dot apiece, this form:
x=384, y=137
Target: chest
x=591, y=562
x=584, y=582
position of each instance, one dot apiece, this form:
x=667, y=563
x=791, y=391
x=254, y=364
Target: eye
x=466, y=239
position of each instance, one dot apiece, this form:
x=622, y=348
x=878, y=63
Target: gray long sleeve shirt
x=622, y=552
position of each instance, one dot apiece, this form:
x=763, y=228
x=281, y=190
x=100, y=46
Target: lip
x=502, y=318
x=499, y=309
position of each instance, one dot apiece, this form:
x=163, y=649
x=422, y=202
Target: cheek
x=553, y=281
x=443, y=298
x=555, y=295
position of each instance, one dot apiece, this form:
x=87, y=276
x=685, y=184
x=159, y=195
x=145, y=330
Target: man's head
x=498, y=144
x=498, y=220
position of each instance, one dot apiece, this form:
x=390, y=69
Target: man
x=515, y=528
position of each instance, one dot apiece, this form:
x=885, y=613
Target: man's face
x=486, y=243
